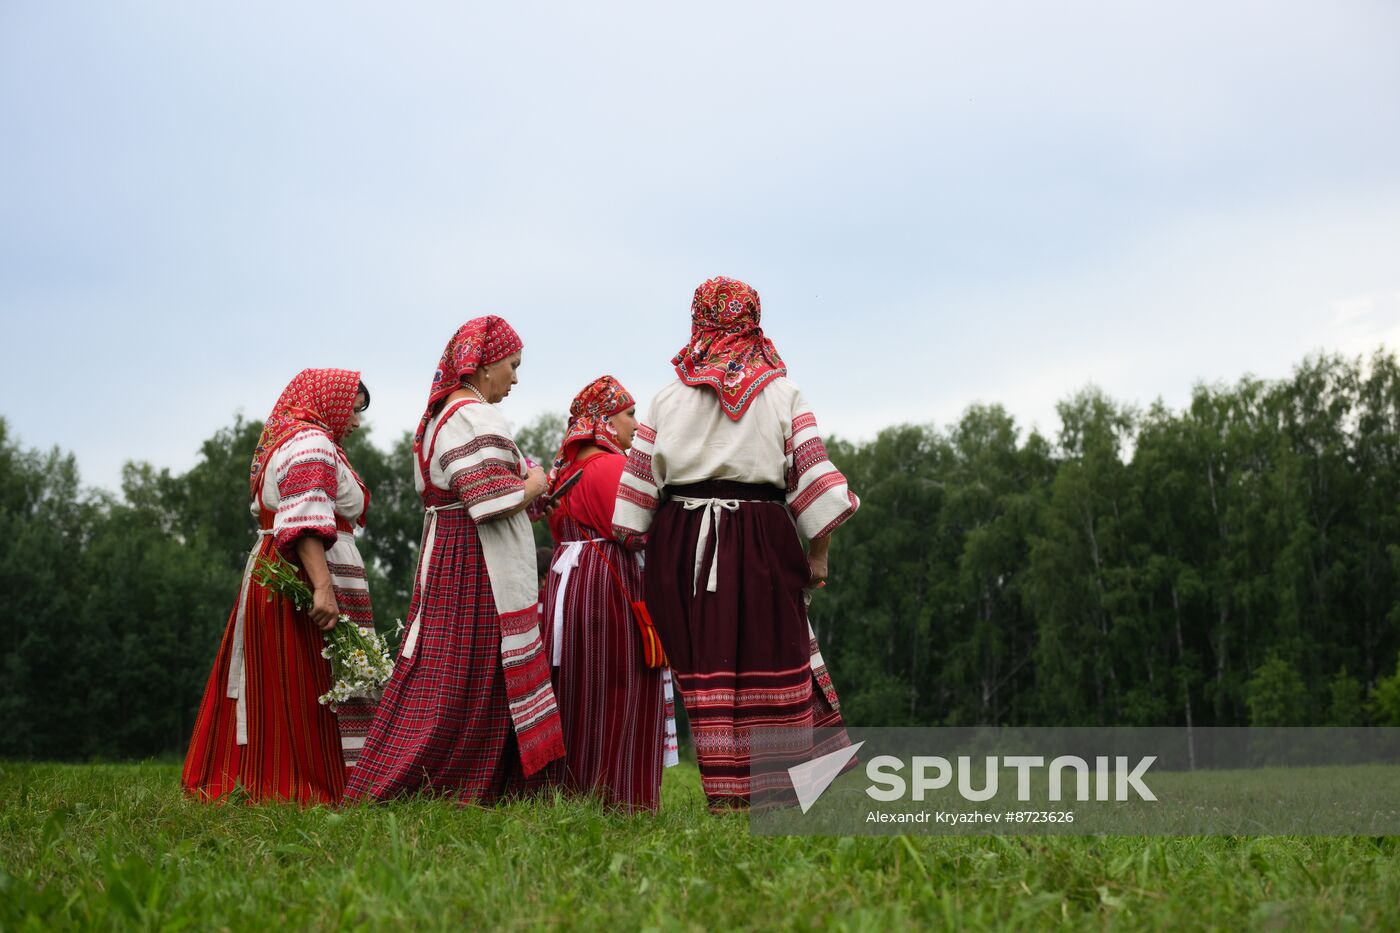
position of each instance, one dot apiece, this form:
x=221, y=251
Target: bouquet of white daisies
x=360, y=663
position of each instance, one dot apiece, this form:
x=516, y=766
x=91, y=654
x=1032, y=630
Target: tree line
x=1235, y=562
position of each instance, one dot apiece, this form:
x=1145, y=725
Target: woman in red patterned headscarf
x=615, y=710
x=260, y=724
x=726, y=475
x=469, y=710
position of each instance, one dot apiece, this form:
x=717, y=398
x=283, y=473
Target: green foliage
x=1387, y=699
x=1276, y=695
x=115, y=607
x=394, y=525
x=1348, y=706
x=1140, y=567
x=1136, y=571
x=103, y=847
x=539, y=440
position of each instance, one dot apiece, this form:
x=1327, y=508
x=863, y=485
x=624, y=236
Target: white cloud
x=1348, y=310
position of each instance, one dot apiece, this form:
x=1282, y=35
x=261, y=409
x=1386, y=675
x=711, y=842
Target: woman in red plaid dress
x=469, y=711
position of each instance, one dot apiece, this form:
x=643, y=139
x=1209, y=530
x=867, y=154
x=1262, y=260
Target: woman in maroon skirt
x=469, y=711
x=725, y=473
x=616, y=711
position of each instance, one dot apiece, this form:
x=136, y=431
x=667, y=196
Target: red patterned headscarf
x=727, y=349
x=479, y=342
x=588, y=421
x=322, y=399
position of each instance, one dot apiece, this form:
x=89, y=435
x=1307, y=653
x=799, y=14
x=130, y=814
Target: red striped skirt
x=610, y=705
x=293, y=751
x=741, y=655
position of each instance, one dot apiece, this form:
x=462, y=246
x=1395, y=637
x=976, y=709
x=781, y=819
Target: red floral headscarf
x=727, y=349
x=322, y=399
x=588, y=421
x=479, y=342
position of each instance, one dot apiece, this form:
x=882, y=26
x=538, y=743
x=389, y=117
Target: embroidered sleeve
x=305, y=470
x=482, y=465
x=817, y=493
x=637, y=493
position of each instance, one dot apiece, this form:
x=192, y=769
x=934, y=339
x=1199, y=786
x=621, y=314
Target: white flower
x=360, y=663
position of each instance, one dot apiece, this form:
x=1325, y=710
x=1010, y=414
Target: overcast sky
x=939, y=203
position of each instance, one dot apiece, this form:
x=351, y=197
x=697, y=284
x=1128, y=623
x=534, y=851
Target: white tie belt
x=430, y=519
x=717, y=508
x=564, y=564
x=237, y=686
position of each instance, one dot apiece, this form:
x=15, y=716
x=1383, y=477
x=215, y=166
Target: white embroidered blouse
x=686, y=438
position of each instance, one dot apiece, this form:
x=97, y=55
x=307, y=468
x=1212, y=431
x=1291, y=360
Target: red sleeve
x=592, y=500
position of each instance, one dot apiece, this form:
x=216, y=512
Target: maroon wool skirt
x=741, y=655
x=611, y=706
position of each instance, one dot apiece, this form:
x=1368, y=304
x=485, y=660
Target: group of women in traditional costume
x=678, y=554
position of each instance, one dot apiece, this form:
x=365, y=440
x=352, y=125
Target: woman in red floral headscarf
x=260, y=725
x=616, y=711
x=725, y=474
x=469, y=711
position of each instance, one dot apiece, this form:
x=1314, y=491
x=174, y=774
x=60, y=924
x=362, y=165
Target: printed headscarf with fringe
x=728, y=351
x=479, y=342
x=588, y=421
x=320, y=399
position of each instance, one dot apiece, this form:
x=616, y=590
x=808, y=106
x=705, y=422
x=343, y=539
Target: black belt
x=728, y=489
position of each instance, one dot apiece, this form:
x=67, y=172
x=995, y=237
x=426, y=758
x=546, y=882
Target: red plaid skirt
x=443, y=725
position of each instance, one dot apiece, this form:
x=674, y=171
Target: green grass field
x=102, y=846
